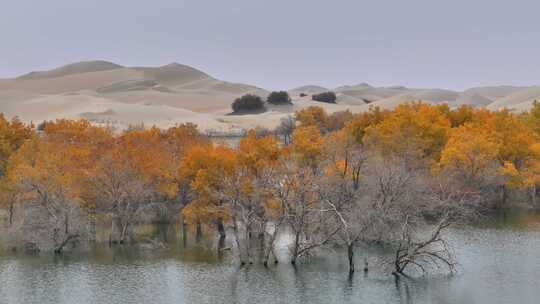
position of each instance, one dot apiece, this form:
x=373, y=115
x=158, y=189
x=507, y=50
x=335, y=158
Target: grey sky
x=285, y=43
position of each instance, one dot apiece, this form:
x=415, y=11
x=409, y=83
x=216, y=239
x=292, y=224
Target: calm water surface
x=499, y=263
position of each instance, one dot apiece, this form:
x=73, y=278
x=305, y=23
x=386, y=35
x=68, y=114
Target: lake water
x=499, y=263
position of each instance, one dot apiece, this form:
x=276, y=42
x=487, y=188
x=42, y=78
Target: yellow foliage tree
x=472, y=151
x=412, y=130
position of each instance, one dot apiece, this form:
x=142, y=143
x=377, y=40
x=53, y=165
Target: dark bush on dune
x=248, y=103
x=279, y=98
x=328, y=97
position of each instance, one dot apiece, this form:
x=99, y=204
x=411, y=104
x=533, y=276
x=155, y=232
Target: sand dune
x=430, y=96
x=360, y=86
x=110, y=94
x=307, y=89
x=70, y=69
x=74, y=82
x=128, y=85
x=173, y=73
x=526, y=95
x=471, y=98
x=494, y=92
x=371, y=94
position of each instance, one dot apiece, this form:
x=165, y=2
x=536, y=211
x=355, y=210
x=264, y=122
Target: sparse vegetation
x=279, y=98
x=248, y=103
x=328, y=97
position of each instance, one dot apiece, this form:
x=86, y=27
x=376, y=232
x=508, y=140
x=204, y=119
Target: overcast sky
x=285, y=43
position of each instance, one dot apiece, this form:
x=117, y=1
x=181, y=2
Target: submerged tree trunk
x=198, y=235
x=533, y=195
x=60, y=247
x=11, y=211
x=221, y=229
x=296, y=248
x=184, y=232
x=269, y=247
x=248, y=245
x=222, y=235
x=124, y=233
x=504, y=196
x=350, y=251
x=62, y=234
x=66, y=223
x=237, y=240
x=92, y=224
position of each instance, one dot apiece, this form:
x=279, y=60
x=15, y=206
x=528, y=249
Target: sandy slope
x=471, y=98
x=74, y=82
x=71, y=69
x=307, y=89
x=430, y=96
x=523, y=96
x=107, y=93
x=494, y=92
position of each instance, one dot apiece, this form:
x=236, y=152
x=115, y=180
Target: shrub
x=248, y=102
x=303, y=94
x=279, y=98
x=41, y=126
x=329, y=97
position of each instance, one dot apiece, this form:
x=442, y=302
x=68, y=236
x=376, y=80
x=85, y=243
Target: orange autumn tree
x=461, y=115
x=13, y=134
x=205, y=167
x=258, y=160
x=496, y=146
x=518, y=154
x=471, y=152
x=136, y=174
x=345, y=156
x=312, y=116
x=146, y=151
x=307, y=146
x=52, y=170
x=361, y=121
x=413, y=131
x=177, y=141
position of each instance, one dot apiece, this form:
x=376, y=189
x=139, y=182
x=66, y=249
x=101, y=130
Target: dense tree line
x=377, y=177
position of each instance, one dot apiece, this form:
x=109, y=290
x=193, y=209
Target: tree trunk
x=248, y=244
x=92, y=225
x=504, y=196
x=222, y=234
x=221, y=229
x=184, y=232
x=66, y=223
x=296, y=248
x=198, y=235
x=237, y=240
x=269, y=247
x=124, y=233
x=221, y=246
x=534, y=195
x=350, y=251
x=60, y=247
x=11, y=211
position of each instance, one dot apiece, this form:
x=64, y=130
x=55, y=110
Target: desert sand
x=110, y=94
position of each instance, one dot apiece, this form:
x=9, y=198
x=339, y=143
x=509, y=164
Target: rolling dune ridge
x=111, y=94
